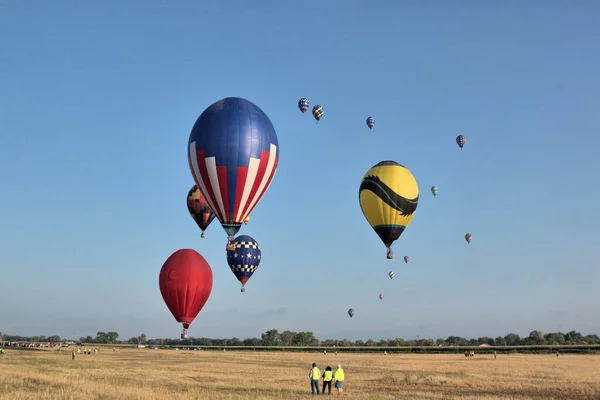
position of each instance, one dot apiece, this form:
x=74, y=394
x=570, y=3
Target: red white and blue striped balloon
x=233, y=154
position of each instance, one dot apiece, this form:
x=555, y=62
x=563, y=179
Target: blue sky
x=97, y=101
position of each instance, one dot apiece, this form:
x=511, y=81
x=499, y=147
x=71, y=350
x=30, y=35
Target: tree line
x=290, y=338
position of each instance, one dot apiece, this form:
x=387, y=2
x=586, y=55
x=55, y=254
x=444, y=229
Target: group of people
x=328, y=376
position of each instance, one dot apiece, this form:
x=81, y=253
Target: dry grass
x=169, y=374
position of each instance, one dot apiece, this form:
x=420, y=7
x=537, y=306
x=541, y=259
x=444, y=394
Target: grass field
x=169, y=374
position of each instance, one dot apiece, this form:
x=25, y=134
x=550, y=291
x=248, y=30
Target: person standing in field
x=314, y=375
x=327, y=377
x=73, y=355
x=339, y=379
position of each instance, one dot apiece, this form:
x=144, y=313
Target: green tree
x=271, y=338
x=512, y=339
x=111, y=337
x=287, y=338
x=499, y=341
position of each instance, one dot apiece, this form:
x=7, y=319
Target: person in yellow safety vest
x=314, y=375
x=327, y=377
x=339, y=378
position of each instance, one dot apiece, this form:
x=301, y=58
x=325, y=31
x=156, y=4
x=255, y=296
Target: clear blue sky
x=97, y=100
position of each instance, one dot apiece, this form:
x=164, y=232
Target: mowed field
x=170, y=374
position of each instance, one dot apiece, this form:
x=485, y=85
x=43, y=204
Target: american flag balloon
x=460, y=141
x=244, y=258
x=233, y=154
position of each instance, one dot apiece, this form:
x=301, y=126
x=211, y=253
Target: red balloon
x=185, y=284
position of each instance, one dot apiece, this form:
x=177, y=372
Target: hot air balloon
x=468, y=238
x=388, y=196
x=185, y=282
x=244, y=258
x=199, y=209
x=370, y=122
x=460, y=141
x=391, y=274
x=406, y=259
x=380, y=296
x=247, y=220
x=317, y=112
x=233, y=154
x=434, y=190
x=303, y=105
x=351, y=312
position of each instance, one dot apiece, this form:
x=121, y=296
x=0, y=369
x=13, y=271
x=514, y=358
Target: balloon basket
x=390, y=256
x=230, y=247
x=203, y=235
x=184, y=334
x=243, y=289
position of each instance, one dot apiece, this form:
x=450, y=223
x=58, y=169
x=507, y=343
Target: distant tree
x=54, y=338
x=591, y=339
x=252, y=342
x=234, y=342
x=359, y=342
x=111, y=337
x=271, y=338
x=499, y=341
x=345, y=343
x=383, y=343
x=512, y=339
x=573, y=337
x=456, y=341
x=370, y=342
x=88, y=339
x=287, y=338
x=305, y=339
x=143, y=338
x=555, y=338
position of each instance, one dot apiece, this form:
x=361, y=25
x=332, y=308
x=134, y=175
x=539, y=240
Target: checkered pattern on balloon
x=244, y=258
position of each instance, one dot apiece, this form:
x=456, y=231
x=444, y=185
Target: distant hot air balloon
x=388, y=196
x=247, y=220
x=406, y=259
x=434, y=190
x=460, y=141
x=391, y=274
x=370, y=122
x=303, y=105
x=317, y=112
x=199, y=209
x=468, y=237
x=381, y=296
x=244, y=258
x=185, y=282
x=233, y=154
x=351, y=312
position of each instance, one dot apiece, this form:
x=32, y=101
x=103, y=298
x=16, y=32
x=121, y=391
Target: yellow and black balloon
x=388, y=197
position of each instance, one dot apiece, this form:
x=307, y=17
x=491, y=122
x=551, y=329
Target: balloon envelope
x=391, y=274
x=388, y=197
x=199, y=209
x=370, y=122
x=460, y=141
x=351, y=312
x=381, y=296
x=245, y=258
x=303, y=105
x=185, y=282
x=318, y=112
x=434, y=190
x=233, y=153
x=406, y=259
x=468, y=237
